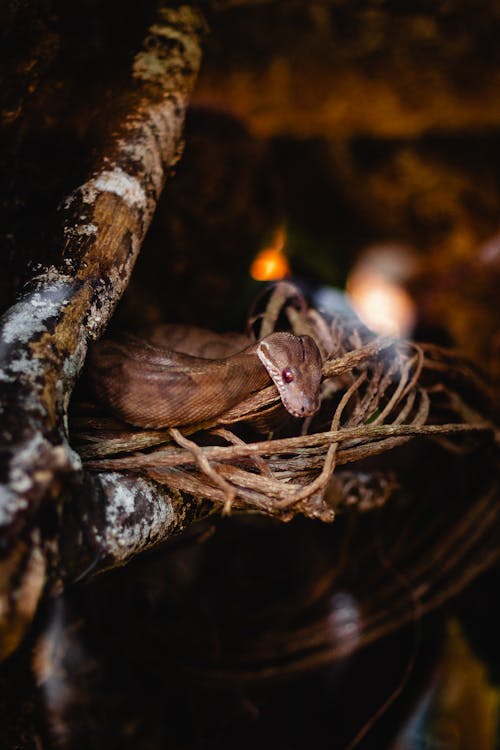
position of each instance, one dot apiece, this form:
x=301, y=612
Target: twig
x=329, y=464
x=366, y=433
x=204, y=464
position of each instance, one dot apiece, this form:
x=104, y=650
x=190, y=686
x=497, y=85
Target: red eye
x=287, y=375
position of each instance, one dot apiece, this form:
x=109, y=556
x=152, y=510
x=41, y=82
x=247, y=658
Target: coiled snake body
x=154, y=386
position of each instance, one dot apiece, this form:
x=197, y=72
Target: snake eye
x=287, y=375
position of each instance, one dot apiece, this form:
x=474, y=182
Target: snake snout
x=309, y=407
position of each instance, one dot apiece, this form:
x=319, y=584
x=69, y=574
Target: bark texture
x=45, y=335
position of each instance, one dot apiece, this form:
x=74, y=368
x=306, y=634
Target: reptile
x=184, y=375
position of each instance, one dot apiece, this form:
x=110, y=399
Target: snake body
x=151, y=385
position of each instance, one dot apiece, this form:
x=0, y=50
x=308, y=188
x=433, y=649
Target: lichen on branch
x=44, y=336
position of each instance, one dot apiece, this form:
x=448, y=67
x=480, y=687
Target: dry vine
x=378, y=394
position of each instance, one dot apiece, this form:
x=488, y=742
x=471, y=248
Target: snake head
x=294, y=364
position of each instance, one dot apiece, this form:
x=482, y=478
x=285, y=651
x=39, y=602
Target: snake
x=162, y=381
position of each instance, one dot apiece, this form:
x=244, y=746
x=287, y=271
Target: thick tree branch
x=44, y=337
x=113, y=517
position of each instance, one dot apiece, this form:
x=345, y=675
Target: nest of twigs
x=378, y=393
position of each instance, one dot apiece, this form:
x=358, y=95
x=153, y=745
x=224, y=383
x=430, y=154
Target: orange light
x=270, y=263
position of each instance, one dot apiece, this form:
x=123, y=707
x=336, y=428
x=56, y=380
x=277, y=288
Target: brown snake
x=181, y=375
x=155, y=386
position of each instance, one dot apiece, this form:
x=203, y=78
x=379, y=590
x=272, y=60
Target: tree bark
x=44, y=337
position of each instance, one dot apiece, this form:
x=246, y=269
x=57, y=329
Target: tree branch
x=44, y=337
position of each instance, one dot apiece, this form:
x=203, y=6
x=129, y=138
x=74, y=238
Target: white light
x=375, y=288
x=385, y=307
x=345, y=617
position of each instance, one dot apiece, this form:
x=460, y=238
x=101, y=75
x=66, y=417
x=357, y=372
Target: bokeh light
x=376, y=290
x=270, y=263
